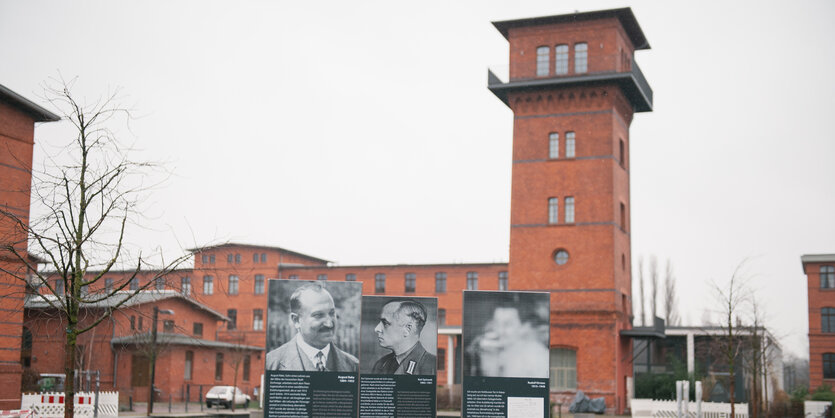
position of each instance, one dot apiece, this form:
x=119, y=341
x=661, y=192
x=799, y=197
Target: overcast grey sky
x=363, y=132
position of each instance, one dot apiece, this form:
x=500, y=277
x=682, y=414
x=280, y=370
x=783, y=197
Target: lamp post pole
x=157, y=311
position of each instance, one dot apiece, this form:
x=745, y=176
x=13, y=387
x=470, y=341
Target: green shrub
x=823, y=393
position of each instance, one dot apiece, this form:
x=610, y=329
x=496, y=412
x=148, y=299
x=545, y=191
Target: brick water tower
x=573, y=88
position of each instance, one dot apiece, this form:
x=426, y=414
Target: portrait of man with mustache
x=313, y=315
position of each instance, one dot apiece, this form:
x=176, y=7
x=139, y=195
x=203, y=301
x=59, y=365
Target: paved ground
x=193, y=409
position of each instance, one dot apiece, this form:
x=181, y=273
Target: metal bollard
x=169, y=402
x=130, y=403
x=187, y=397
x=200, y=398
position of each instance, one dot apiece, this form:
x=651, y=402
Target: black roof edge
x=268, y=247
x=625, y=15
x=37, y=112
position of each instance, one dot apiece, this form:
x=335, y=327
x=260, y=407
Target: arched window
x=828, y=320
x=543, y=61
x=561, y=55
x=581, y=58
x=563, y=369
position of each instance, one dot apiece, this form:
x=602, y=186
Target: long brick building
x=820, y=282
x=573, y=89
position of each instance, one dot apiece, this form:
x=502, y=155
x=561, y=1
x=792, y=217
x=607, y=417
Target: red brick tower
x=573, y=89
x=17, y=118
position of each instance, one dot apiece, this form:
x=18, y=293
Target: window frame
x=561, y=59
x=258, y=319
x=472, y=280
x=440, y=282
x=828, y=368
x=208, y=285
x=570, y=144
x=568, y=208
x=503, y=280
x=259, y=285
x=543, y=61
x=379, y=283
x=567, y=370
x=185, y=285
x=554, y=146
x=410, y=283
x=827, y=277
x=232, y=314
x=581, y=58
x=233, y=286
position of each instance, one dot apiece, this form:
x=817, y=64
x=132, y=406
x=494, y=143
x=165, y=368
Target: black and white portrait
x=313, y=325
x=506, y=334
x=399, y=335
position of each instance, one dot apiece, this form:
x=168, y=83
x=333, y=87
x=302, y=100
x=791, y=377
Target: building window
x=581, y=57
x=159, y=283
x=259, y=284
x=108, y=285
x=233, y=318
x=255, y=258
x=321, y=277
x=134, y=285
x=205, y=259
x=561, y=257
x=185, y=285
x=828, y=320
x=247, y=362
x=829, y=365
x=263, y=257
x=411, y=283
x=188, y=365
x=569, y=210
x=229, y=258
x=472, y=280
x=570, y=145
x=553, y=145
x=621, y=154
x=132, y=323
x=827, y=277
x=219, y=366
x=168, y=325
x=441, y=359
x=257, y=319
x=561, y=55
x=553, y=210
x=208, y=285
x=233, y=285
x=543, y=61
x=623, y=216
x=441, y=316
x=563, y=369
x=237, y=259
x=294, y=277
x=440, y=282
x=502, y=280
x=140, y=324
x=198, y=329
x=350, y=277
x=380, y=283
x=212, y=259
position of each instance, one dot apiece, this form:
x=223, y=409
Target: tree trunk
x=69, y=375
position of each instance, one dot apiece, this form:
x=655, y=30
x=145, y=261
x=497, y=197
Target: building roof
x=627, y=20
x=387, y=266
x=180, y=339
x=265, y=247
x=817, y=258
x=142, y=297
x=37, y=113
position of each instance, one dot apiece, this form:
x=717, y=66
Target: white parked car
x=222, y=396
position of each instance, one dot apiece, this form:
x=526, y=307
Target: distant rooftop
x=627, y=19
x=145, y=296
x=37, y=113
x=179, y=339
x=817, y=258
x=265, y=247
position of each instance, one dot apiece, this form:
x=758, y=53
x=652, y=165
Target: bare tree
x=731, y=297
x=237, y=356
x=653, y=280
x=87, y=201
x=641, y=289
x=671, y=316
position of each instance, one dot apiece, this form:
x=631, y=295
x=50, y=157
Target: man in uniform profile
x=313, y=314
x=401, y=322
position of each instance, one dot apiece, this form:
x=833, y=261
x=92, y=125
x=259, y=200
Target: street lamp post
x=157, y=311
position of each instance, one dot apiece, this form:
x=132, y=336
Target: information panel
x=313, y=339
x=398, y=352
x=506, y=336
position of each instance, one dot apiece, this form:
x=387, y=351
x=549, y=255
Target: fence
x=683, y=408
x=51, y=404
x=816, y=409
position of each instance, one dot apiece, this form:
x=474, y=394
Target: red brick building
x=573, y=88
x=820, y=282
x=17, y=139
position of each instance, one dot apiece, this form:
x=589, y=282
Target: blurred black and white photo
x=313, y=326
x=399, y=335
x=506, y=334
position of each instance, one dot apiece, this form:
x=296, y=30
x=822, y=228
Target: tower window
x=828, y=320
x=827, y=277
x=542, y=61
x=623, y=216
x=472, y=280
x=569, y=210
x=554, y=145
x=561, y=52
x=553, y=210
x=411, y=283
x=563, y=369
x=502, y=280
x=380, y=283
x=561, y=257
x=581, y=57
x=569, y=145
x=829, y=365
x=622, y=154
